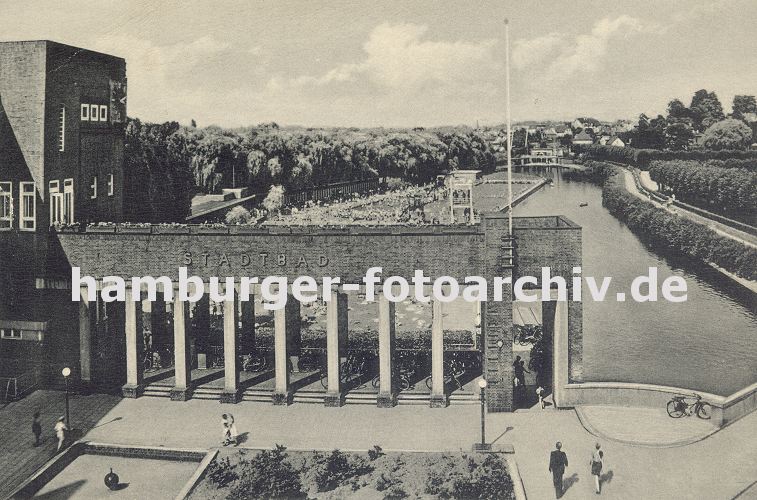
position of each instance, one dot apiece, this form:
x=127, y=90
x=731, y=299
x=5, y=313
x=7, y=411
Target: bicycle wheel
x=376, y=382
x=257, y=363
x=324, y=380
x=675, y=408
x=429, y=383
x=704, y=410
x=404, y=383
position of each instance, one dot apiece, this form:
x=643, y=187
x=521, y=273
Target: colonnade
x=286, y=352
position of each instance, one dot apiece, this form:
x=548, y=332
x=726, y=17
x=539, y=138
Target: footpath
x=718, y=466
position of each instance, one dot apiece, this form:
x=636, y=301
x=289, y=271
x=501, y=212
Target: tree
x=677, y=110
x=705, y=109
x=275, y=199
x=238, y=215
x=743, y=104
x=728, y=134
x=678, y=135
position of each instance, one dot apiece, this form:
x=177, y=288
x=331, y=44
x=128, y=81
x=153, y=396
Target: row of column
x=284, y=324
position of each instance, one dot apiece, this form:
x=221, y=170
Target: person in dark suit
x=558, y=460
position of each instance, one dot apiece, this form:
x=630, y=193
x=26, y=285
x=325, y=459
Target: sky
x=400, y=63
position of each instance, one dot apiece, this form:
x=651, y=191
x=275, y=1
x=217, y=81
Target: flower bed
x=279, y=473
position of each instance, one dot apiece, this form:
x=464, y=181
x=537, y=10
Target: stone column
x=230, y=369
x=438, y=396
x=342, y=305
x=334, y=396
x=134, y=348
x=387, y=396
x=182, y=363
x=281, y=395
x=87, y=319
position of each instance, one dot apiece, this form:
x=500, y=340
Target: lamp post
x=66, y=373
x=483, y=445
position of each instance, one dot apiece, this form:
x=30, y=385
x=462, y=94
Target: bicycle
x=681, y=405
x=352, y=368
x=256, y=361
x=453, y=370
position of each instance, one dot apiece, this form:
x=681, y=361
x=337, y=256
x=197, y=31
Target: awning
x=525, y=316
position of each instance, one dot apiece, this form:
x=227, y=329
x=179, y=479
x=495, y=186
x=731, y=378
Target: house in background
x=583, y=138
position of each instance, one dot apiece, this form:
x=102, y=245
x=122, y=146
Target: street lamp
x=483, y=445
x=66, y=373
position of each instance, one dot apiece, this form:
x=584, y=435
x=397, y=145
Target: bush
x=375, y=453
x=239, y=215
x=642, y=158
x=488, y=480
x=221, y=473
x=728, y=134
x=268, y=475
x=275, y=199
x=337, y=468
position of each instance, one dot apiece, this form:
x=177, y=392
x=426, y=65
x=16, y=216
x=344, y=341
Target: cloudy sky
x=400, y=63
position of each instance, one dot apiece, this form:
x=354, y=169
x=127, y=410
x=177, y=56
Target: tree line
x=167, y=163
x=642, y=158
x=731, y=191
x=705, y=115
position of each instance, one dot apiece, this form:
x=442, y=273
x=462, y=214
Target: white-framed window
x=85, y=112
x=110, y=185
x=93, y=112
x=62, y=128
x=28, y=204
x=68, y=201
x=6, y=205
x=103, y=113
x=56, y=203
x=10, y=333
x=93, y=188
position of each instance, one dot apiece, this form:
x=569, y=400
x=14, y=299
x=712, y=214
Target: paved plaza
x=719, y=466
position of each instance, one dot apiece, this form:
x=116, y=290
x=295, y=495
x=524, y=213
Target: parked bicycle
x=155, y=359
x=256, y=361
x=681, y=405
x=354, y=367
x=453, y=371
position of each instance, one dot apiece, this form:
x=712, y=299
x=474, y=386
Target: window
x=93, y=111
x=56, y=203
x=68, y=201
x=28, y=206
x=110, y=185
x=103, y=113
x=10, y=333
x=85, y=112
x=62, y=129
x=93, y=187
x=6, y=205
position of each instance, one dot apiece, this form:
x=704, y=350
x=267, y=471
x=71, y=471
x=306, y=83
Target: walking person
x=60, y=431
x=596, y=466
x=540, y=395
x=558, y=461
x=36, y=428
x=229, y=429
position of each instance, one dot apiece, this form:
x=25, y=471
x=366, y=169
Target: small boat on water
x=583, y=204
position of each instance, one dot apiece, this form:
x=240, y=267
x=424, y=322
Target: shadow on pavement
x=63, y=492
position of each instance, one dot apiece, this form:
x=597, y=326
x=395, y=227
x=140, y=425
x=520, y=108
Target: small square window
x=10, y=333
x=93, y=112
x=85, y=112
x=103, y=113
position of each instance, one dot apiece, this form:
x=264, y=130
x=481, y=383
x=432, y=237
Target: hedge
x=730, y=191
x=676, y=233
x=642, y=158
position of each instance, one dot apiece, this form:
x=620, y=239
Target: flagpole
x=509, y=133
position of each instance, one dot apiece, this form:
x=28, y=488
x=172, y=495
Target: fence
x=330, y=191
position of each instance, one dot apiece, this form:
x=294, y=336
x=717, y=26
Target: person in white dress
x=60, y=432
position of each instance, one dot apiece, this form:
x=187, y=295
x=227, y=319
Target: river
x=708, y=343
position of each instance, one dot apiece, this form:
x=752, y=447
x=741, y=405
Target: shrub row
x=642, y=158
x=725, y=190
x=676, y=233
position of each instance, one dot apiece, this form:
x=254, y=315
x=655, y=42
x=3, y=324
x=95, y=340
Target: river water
x=708, y=343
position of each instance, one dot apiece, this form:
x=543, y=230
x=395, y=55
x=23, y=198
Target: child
x=36, y=428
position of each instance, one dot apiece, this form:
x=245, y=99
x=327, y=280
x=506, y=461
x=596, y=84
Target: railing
x=329, y=191
x=15, y=387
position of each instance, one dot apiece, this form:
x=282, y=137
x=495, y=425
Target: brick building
x=62, y=118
